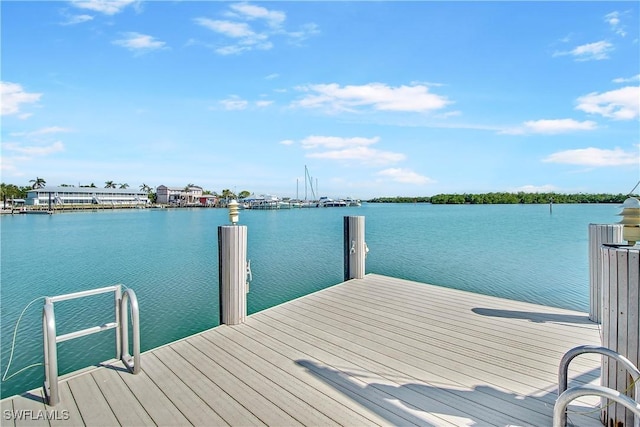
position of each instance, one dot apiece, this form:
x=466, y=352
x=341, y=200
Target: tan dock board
x=372, y=351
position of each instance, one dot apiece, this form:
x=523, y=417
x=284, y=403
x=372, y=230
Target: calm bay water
x=169, y=257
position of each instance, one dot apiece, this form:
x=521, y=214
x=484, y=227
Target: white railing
x=121, y=325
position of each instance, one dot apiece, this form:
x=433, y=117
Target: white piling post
x=232, y=263
x=355, y=248
x=598, y=235
x=620, y=326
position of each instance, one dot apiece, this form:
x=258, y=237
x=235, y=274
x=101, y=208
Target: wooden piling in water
x=232, y=262
x=620, y=325
x=598, y=235
x=355, y=248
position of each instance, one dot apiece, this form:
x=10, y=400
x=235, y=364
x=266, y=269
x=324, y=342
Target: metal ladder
x=121, y=325
x=567, y=396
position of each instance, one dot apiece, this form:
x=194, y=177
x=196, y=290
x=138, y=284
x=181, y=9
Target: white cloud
x=248, y=11
x=378, y=96
x=77, y=19
x=405, y=176
x=613, y=19
x=551, y=127
x=247, y=39
x=631, y=79
x=589, y=52
x=618, y=104
x=33, y=150
x=334, y=142
x=43, y=131
x=345, y=149
x=107, y=7
x=13, y=96
x=272, y=76
x=263, y=103
x=365, y=155
x=252, y=27
x=227, y=28
x=140, y=43
x=234, y=103
x=287, y=142
x=597, y=157
x=559, y=126
x=305, y=31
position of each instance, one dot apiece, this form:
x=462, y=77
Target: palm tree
x=38, y=183
x=123, y=186
x=187, y=191
x=109, y=184
x=145, y=188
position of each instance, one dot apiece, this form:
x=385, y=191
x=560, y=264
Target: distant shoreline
x=507, y=199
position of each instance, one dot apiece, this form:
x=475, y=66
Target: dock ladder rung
x=121, y=325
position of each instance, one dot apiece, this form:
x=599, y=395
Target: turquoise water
x=169, y=257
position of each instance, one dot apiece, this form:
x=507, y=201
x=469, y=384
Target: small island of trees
x=506, y=198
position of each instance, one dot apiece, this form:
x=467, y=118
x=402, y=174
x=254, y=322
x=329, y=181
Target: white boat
x=326, y=202
x=352, y=202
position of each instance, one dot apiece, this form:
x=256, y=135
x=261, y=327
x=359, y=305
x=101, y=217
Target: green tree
x=123, y=186
x=109, y=184
x=10, y=191
x=227, y=194
x=145, y=188
x=38, y=183
x=244, y=194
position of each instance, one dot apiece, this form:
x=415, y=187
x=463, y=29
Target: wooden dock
x=372, y=351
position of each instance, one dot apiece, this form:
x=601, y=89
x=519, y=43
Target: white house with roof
x=177, y=195
x=86, y=196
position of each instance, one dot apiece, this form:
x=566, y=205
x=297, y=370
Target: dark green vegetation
x=506, y=198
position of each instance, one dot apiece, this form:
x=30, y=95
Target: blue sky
x=375, y=98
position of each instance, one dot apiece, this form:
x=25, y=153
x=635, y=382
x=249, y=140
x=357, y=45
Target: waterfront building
x=61, y=196
x=178, y=195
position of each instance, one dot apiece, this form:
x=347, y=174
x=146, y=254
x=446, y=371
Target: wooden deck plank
x=8, y=417
x=325, y=399
x=357, y=363
x=123, y=403
x=30, y=411
x=193, y=407
x=441, y=332
x=450, y=336
x=292, y=354
x=67, y=410
x=372, y=351
x=93, y=407
x=406, y=296
x=268, y=412
x=152, y=398
x=403, y=357
x=284, y=395
x=231, y=411
x=304, y=354
x=482, y=357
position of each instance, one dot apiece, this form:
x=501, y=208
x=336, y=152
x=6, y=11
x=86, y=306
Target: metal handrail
x=131, y=362
x=121, y=326
x=563, y=371
x=560, y=408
